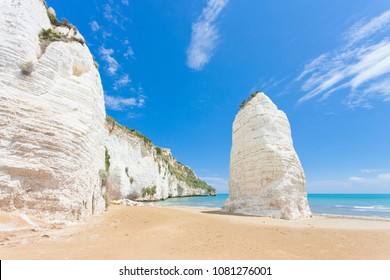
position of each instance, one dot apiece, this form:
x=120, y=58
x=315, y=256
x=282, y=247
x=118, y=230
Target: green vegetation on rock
x=140, y=135
x=49, y=35
x=185, y=174
x=244, y=102
x=131, y=131
x=107, y=161
x=180, y=171
x=148, y=191
x=180, y=190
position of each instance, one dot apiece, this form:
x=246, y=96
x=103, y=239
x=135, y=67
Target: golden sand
x=149, y=232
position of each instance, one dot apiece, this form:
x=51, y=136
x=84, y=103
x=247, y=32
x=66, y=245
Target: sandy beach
x=151, y=232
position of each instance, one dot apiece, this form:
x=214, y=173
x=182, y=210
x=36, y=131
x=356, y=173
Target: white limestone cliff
x=52, y=117
x=59, y=158
x=266, y=176
x=138, y=170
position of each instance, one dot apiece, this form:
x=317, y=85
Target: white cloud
x=356, y=184
x=133, y=115
x=204, y=35
x=112, y=13
x=221, y=184
x=94, y=26
x=108, y=13
x=112, y=64
x=125, y=2
x=370, y=170
x=129, y=52
x=106, y=34
x=361, y=30
x=119, y=103
x=364, y=69
x=123, y=81
x=356, y=179
x=384, y=177
x=312, y=66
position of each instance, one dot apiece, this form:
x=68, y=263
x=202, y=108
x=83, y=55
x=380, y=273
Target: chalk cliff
x=266, y=176
x=138, y=170
x=59, y=159
x=51, y=116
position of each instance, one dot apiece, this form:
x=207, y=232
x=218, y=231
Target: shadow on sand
x=220, y=212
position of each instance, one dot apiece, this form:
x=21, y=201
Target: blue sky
x=178, y=70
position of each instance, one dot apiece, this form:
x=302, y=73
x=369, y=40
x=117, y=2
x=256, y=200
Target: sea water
x=374, y=205
x=377, y=205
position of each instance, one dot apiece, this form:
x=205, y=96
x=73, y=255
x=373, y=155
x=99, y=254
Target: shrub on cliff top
x=140, y=135
x=53, y=19
x=244, y=102
x=50, y=35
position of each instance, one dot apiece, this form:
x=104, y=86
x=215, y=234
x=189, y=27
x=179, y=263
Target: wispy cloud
x=107, y=56
x=94, y=26
x=124, y=95
x=119, y=103
x=370, y=170
x=204, y=37
x=109, y=14
x=269, y=85
x=129, y=53
x=133, y=115
x=361, y=65
x=113, y=14
x=123, y=81
x=221, y=184
x=354, y=184
x=362, y=30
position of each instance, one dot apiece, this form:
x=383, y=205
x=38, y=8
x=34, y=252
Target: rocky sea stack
x=266, y=176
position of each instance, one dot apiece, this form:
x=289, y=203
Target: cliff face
x=138, y=170
x=266, y=176
x=52, y=116
x=59, y=158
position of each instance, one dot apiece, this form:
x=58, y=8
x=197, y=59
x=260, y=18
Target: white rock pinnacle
x=266, y=176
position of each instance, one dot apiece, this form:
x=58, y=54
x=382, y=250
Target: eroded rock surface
x=52, y=117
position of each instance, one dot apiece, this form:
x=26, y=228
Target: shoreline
x=358, y=217
x=164, y=232
x=350, y=205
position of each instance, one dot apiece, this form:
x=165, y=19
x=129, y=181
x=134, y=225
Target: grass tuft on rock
x=244, y=102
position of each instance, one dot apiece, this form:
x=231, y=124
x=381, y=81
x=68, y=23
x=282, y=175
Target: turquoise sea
x=373, y=205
